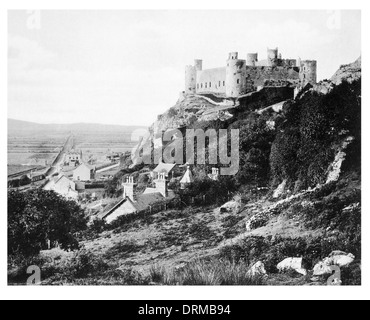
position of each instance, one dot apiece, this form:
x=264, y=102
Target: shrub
x=315, y=124
x=206, y=272
x=36, y=216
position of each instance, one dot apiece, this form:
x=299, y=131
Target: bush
x=315, y=126
x=36, y=216
x=205, y=272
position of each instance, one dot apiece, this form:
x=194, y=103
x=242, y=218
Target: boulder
x=257, y=221
x=258, y=269
x=292, y=264
x=341, y=259
x=231, y=206
x=321, y=269
x=279, y=190
x=338, y=258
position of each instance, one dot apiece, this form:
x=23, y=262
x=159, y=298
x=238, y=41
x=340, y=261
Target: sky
x=127, y=67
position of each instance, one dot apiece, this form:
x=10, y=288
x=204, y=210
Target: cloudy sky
x=126, y=67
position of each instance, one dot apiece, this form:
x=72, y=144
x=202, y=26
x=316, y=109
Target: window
x=210, y=84
x=224, y=83
x=206, y=85
x=201, y=85
x=219, y=83
x=238, y=81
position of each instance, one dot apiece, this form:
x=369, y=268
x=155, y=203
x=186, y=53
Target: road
x=56, y=165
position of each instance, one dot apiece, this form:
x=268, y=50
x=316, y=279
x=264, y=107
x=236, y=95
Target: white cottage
x=132, y=203
x=63, y=186
x=84, y=172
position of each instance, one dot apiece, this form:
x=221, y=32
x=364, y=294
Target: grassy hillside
x=311, y=150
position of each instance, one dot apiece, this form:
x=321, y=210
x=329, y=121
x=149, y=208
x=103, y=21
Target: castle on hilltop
x=240, y=76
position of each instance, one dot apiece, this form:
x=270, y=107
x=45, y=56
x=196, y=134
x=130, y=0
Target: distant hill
x=18, y=126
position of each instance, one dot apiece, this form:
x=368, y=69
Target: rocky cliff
x=347, y=72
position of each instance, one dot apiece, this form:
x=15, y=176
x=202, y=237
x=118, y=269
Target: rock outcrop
x=348, y=72
x=292, y=264
x=258, y=269
x=335, y=167
x=233, y=206
x=338, y=258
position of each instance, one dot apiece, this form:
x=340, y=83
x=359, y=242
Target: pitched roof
x=188, y=177
x=164, y=167
x=57, y=179
x=143, y=201
x=106, y=213
x=86, y=165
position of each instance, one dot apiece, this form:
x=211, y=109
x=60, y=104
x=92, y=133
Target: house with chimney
x=147, y=201
x=63, y=186
x=167, y=168
x=73, y=158
x=84, y=172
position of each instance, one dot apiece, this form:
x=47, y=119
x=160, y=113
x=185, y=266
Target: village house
x=73, y=158
x=169, y=169
x=38, y=175
x=114, y=156
x=132, y=203
x=84, y=172
x=63, y=186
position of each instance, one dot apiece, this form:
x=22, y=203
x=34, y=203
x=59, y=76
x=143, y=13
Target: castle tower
x=129, y=189
x=191, y=76
x=234, y=75
x=252, y=58
x=161, y=184
x=190, y=79
x=198, y=64
x=308, y=72
x=272, y=57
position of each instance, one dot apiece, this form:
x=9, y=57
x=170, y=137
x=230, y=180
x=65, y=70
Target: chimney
x=161, y=184
x=215, y=173
x=129, y=189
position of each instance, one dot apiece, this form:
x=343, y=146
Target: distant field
x=30, y=158
x=18, y=168
x=98, y=145
x=26, y=149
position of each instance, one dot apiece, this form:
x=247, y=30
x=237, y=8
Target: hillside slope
x=18, y=126
x=296, y=200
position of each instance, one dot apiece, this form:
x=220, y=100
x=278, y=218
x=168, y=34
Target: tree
x=315, y=126
x=256, y=138
x=38, y=216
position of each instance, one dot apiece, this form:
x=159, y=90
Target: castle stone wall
x=211, y=80
x=262, y=76
x=272, y=57
x=243, y=76
x=252, y=59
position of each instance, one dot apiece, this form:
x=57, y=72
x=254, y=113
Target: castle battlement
x=240, y=76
